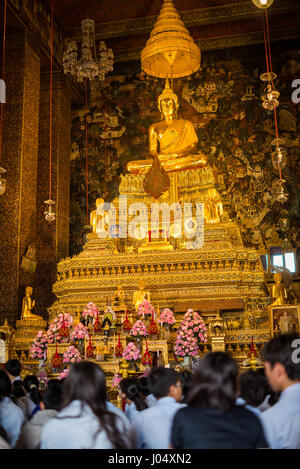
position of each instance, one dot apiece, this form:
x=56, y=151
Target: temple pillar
x=52, y=238
x=19, y=158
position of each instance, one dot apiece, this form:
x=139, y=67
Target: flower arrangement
x=145, y=309
x=39, y=347
x=132, y=352
x=167, y=317
x=71, y=355
x=64, y=374
x=194, y=322
x=79, y=332
x=139, y=329
x=192, y=332
x=61, y=322
x=90, y=311
x=116, y=380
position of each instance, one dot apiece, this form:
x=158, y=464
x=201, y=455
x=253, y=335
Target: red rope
x=86, y=155
x=3, y=72
x=105, y=145
x=269, y=42
x=51, y=90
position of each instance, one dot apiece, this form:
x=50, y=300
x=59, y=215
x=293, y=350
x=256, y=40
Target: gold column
x=19, y=157
x=53, y=238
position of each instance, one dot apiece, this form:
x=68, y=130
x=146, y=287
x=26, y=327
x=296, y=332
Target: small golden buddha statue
x=172, y=141
x=140, y=295
x=119, y=295
x=27, y=306
x=98, y=221
x=279, y=291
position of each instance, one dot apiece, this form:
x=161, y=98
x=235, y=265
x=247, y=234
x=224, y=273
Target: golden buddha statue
x=27, y=306
x=172, y=140
x=98, y=221
x=278, y=291
x=140, y=295
x=119, y=295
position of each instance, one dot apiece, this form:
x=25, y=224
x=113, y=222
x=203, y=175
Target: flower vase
x=41, y=362
x=186, y=361
x=166, y=331
x=139, y=342
x=80, y=346
x=132, y=365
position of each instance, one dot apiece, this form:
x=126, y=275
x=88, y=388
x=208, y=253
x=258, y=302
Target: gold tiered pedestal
x=26, y=331
x=221, y=275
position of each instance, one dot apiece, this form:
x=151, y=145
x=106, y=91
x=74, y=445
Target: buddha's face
x=168, y=107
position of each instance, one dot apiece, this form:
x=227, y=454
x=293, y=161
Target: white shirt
x=282, y=421
x=78, y=431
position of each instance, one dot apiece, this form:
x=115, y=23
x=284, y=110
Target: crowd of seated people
x=212, y=407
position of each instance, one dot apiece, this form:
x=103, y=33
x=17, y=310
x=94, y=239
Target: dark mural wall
x=235, y=132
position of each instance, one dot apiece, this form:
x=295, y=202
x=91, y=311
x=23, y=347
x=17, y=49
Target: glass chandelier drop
x=270, y=95
x=88, y=67
x=49, y=212
x=279, y=154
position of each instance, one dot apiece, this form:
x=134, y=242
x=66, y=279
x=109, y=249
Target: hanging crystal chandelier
x=88, y=67
x=270, y=95
x=2, y=181
x=279, y=154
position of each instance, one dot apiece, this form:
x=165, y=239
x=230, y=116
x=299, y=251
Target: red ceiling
x=71, y=12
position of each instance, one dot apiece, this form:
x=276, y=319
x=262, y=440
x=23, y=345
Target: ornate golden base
x=26, y=330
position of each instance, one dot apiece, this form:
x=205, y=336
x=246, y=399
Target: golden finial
x=170, y=51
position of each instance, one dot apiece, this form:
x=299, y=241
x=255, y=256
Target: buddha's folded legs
x=177, y=164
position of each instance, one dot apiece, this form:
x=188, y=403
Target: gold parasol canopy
x=170, y=51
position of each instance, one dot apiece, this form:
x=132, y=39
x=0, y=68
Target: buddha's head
x=99, y=202
x=28, y=291
x=168, y=102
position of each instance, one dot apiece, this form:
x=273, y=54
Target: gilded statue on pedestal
x=27, y=306
x=140, y=295
x=172, y=140
x=279, y=291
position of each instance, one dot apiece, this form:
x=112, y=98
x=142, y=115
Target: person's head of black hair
x=13, y=367
x=144, y=386
x=214, y=383
x=186, y=379
x=86, y=383
x=18, y=389
x=130, y=387
x=52, y=396
x=282, y=349
x=5, y=385
x=31, y=384
x=253, y=387
x=160, y=381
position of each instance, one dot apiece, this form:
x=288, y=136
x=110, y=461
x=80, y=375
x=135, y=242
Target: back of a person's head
x=283, y=349
x=160, y=381
x=86, y=383
x=52, y=396
x=18, y=388
x=253, y=387
x=31, y=384
x=13, y=367
x=5, y=384
x=144, y=385
x=214, y=383
x=130, y=387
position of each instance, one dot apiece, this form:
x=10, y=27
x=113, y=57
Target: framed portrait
x=285, y=319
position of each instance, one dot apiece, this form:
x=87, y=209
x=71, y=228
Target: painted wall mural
x=235, y=132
